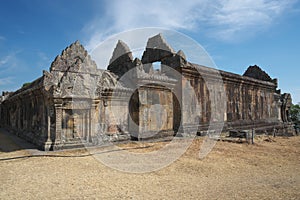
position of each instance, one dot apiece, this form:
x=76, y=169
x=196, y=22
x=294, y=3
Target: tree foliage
x=295, y=113
x=26, y=84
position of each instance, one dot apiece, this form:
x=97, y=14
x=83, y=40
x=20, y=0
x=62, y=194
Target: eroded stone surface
x=121, y=61
x=75, y=103
x=159, y=42
x=157, y=49
x=120, y=50
x=257, y=73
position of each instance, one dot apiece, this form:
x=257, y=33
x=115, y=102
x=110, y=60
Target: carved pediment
x=73, y=73
x=74, y=59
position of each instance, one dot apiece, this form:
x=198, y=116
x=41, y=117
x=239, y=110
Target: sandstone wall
x=27, y=115
x=76, y=104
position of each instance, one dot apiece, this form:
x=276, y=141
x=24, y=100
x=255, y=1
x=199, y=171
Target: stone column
x=94, y=118
x=59, y=139
x=48, y=142
x=278, y=105
x=88, y=124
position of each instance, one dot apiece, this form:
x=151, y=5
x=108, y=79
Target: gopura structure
x=76, y=103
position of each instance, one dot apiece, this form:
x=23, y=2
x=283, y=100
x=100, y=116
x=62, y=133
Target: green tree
x=26, y=84
x=295, y=113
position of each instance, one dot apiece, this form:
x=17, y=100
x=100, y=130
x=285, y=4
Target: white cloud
x=224, y=19
x=6, y=81
x=295, y=94
x=4, y=60
x=9, y=62
x=42, y=56
x=235, y=18
x=125, y=15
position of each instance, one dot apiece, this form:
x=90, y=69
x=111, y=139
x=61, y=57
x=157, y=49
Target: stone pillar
x=94, y=118
x=48, y=142
x=59, y=139
x=88, y=125
x=278, y=107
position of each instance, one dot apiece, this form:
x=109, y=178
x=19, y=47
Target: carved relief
x=76, y=99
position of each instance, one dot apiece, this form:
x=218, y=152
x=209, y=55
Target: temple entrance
x=151, y=112
x=134, y=115
x=75, y=124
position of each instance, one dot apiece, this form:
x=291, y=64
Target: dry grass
x=269, y=169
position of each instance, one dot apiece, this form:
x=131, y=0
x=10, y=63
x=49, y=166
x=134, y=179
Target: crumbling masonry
x=76, y=103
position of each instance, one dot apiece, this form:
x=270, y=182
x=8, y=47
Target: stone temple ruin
x=75, y=103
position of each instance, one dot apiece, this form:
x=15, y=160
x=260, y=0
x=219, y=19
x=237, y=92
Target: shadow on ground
x=10, y=142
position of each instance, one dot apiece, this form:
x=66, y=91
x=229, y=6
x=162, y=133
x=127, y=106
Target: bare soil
x=269, y=169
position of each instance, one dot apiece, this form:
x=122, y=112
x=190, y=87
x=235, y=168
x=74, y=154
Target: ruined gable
x=73, y=73
x=74, y=59
x=75, y=103
x=257, y=73
x=121, y=60
x=157, y=49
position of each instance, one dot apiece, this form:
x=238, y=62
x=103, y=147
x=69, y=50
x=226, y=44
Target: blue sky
x=236, y=33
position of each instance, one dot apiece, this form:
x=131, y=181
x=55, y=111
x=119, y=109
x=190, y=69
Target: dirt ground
x=269, y=169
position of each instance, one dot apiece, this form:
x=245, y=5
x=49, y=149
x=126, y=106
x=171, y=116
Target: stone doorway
x=76, y=124
x=151, y=112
